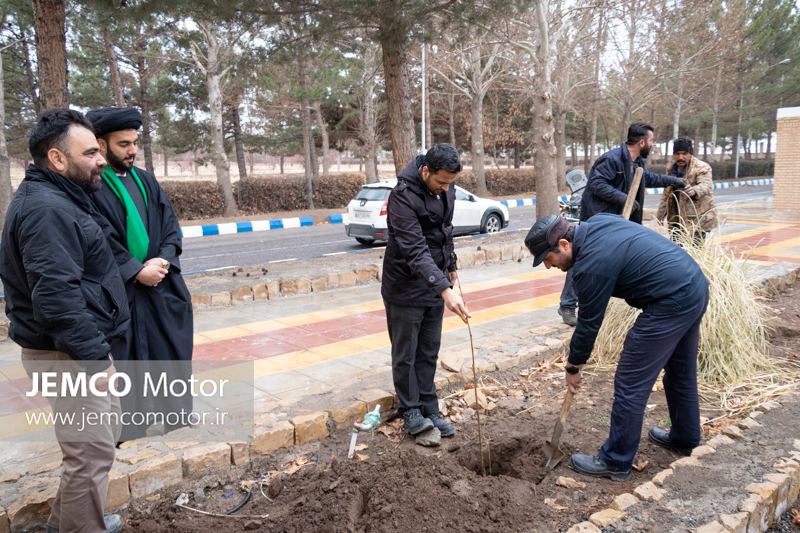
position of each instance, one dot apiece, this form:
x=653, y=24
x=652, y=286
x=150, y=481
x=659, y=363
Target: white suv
x=366, y=213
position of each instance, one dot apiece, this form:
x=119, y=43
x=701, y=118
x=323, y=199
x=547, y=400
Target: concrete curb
x=766, y=502
x=359, y=276
x=188, y=232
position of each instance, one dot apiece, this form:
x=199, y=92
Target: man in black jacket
x=419, y=270
x=66, y=302
x=145, y=236
x=611, y=256
x=610, y=180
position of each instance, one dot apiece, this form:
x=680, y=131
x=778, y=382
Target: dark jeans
x=569, y=298
x=656, y=341
x=415, y=334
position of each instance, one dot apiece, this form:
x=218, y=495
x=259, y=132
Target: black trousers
x=415, y=334
x=656, y=342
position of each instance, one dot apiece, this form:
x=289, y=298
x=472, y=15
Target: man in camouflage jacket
x=694, y=207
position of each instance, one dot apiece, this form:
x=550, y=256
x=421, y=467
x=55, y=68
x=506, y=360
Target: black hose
x=241, y=504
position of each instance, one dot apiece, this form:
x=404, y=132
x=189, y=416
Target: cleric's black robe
x=161, y=334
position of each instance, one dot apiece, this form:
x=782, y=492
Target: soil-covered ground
x=396, y=485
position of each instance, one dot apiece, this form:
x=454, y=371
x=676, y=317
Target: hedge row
x=747, y=169
x=195, y=199
x=502, y=181
x=203, y=199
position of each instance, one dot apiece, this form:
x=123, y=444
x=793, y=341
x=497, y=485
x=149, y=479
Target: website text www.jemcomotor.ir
x=85, y=419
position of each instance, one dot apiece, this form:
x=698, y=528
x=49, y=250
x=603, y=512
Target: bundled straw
x=734, y=366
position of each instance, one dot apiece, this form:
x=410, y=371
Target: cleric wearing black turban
x=146, y=239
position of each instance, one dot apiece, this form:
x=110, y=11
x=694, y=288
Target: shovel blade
x=553, y=454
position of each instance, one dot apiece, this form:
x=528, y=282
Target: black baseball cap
x=544, y=236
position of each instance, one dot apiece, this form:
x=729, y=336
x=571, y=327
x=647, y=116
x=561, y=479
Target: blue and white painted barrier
x=266, y=225
x=659, y=190
x=188, y=232
x=526, y=201
x=726, y=185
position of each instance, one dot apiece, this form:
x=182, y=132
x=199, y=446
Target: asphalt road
x=243, y=249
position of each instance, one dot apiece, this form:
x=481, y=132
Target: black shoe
x=661, y=437
x=592, y=465
x=415, y=422
x=569, y=315
x=447, y=430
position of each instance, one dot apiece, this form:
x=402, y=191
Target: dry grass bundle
x=735, y=370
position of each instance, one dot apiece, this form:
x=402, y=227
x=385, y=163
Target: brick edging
x=291, y=286
x=766, y=502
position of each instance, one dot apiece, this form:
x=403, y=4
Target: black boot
x=569, y=315
x=661, y=437
x=447, y=430
x=415, y=422
x=592, y=465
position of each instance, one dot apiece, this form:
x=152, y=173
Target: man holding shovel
x=610, y=256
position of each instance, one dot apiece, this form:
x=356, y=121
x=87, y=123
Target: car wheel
x=492, y=224
x=365, y=242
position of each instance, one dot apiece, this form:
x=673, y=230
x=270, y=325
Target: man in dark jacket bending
x=610, y=180
x=419, y=270
x=610, y=256
x=66, y=302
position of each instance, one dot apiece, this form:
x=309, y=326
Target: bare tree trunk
x=326, y=164
x=308, y=142
x=715, y=115
x=428, y=126
x=166, y=159
x=659, y=54
x=312, y=147
x=144, y=102
x=281, y=158
x=596, y=98
x=49, y=23
x=5, y=160
x=586, y=162
x=451, y=116
x=214, y=75
x=767, y=154
x=237, y=140
x=676, y=119
x=544, y=157
x=400, y=115
x=476, y=146
x=114, y=68
x=517, y=148
x=367, y=116
x=37, y=102
x=561, y=147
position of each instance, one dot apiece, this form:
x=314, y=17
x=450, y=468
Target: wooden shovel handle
x=637, y=180
x=565, y=406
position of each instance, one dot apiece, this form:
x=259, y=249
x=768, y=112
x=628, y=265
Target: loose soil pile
x=399, y=486
x=404, y=487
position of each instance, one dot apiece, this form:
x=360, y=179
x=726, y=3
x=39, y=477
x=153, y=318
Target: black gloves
x=679, y=183
x=635, y=206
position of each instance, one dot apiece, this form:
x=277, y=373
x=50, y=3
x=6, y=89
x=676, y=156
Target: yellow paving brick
x=263, y=326
x=298, y=320
x=223, y=334
x=292, y=360
x=372, y=342
x=339, y=349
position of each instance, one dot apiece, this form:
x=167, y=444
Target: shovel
x=551, y=451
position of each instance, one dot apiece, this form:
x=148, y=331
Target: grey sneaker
x=570, y=316
x=446, y=429
x=114, y=524
x=415, y=423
